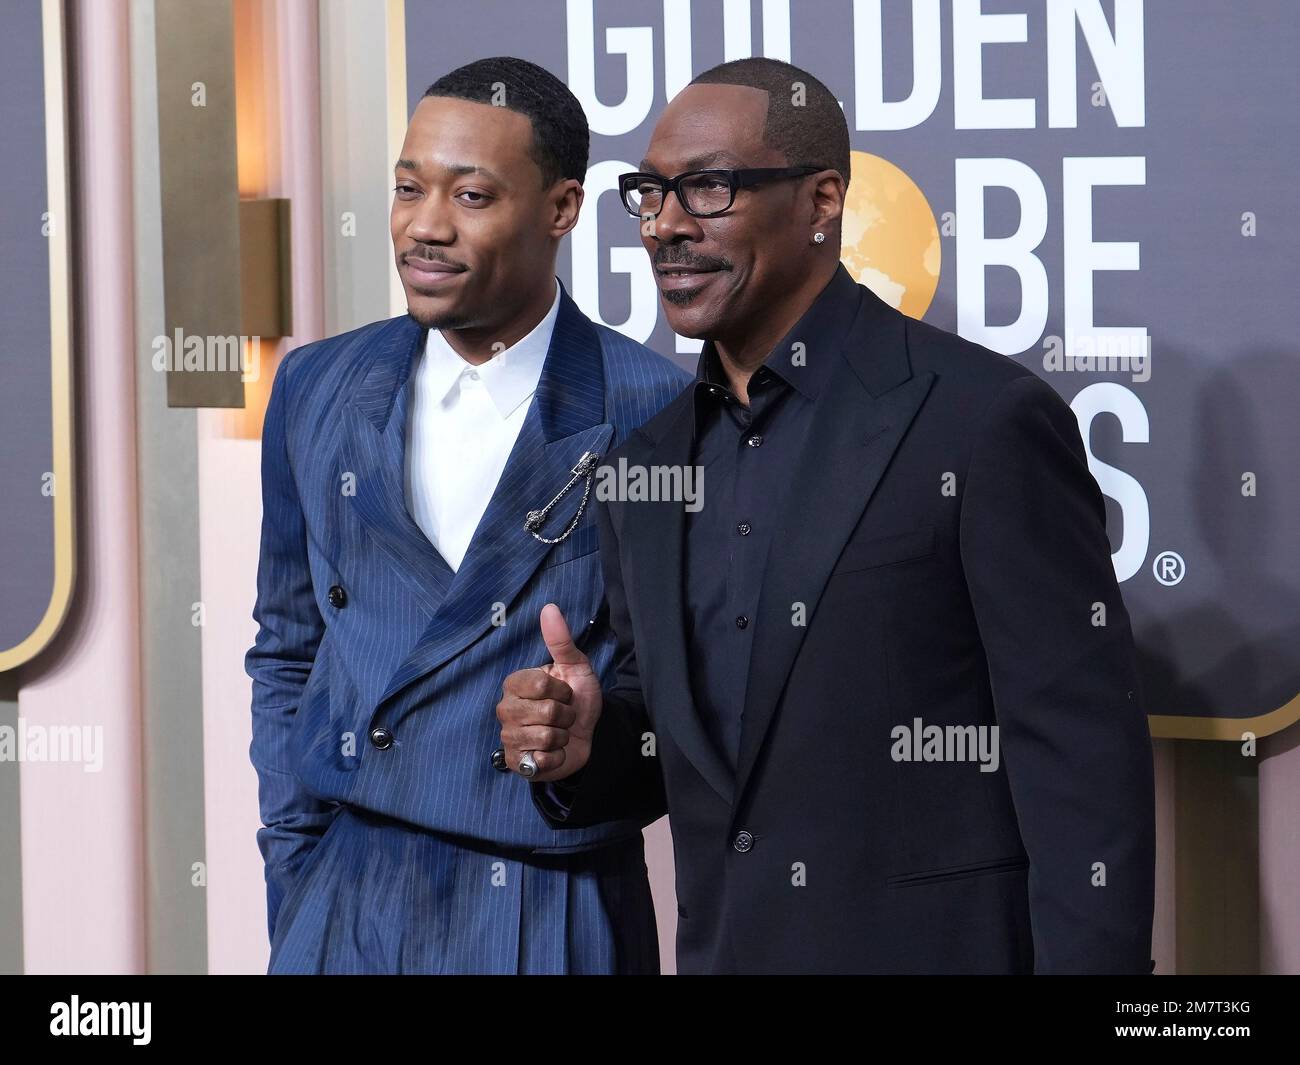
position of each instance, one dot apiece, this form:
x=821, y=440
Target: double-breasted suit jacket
x=391, y=843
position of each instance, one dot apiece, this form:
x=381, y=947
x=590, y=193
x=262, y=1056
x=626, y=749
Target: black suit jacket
x=945, y=547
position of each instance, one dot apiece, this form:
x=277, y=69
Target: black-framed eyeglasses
x=702, y=193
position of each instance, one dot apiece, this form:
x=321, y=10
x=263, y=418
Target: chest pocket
x=582, y=541
x=886, y=550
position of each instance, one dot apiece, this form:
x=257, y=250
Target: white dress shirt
x=461, y=424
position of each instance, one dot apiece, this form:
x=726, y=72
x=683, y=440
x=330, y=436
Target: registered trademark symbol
x=1169, y=567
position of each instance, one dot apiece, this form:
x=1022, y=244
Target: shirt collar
x=510, y=377
x=821, y=331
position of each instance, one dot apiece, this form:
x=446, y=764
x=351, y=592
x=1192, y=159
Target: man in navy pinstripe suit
x=398, y=581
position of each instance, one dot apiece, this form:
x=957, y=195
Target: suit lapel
x=373, y=450
x=565, y=419
x=657, y=531
x=862, y=412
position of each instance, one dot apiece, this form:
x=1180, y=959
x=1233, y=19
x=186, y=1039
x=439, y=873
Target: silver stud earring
x=819, y=238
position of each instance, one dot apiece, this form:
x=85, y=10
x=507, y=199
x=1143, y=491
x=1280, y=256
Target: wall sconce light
x=226, y=268
x=266, y=295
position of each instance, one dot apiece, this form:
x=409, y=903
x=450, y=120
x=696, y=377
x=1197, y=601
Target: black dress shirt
x=750, y=455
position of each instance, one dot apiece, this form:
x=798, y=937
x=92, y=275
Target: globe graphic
x=890, y=238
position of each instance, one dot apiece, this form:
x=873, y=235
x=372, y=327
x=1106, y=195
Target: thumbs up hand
x=551, y=710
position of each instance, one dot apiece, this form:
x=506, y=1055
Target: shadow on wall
x=1244, y=632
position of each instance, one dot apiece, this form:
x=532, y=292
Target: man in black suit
x=882, y=681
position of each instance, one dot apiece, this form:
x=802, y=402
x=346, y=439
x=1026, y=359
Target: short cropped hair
x=812, y=133
x=561, y=139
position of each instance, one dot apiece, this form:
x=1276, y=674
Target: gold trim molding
x=53, y=36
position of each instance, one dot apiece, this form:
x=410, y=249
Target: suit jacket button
x=338, y=597
x=499, y=760
x=744, y=841
x=381, y=738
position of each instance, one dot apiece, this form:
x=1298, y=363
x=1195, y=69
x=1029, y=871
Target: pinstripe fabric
x=422, y=857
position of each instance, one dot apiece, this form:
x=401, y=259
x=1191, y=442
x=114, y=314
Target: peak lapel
x=374, y=451
x=656, y=531
x=862, y=413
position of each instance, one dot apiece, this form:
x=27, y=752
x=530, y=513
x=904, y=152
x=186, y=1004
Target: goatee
x=439, y=321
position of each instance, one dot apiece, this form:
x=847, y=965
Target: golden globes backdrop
x=1102, y=190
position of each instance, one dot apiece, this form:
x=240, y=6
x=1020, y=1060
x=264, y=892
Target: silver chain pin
x=584, y=468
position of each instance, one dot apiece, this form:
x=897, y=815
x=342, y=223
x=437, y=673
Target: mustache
x=431, y=255
x=681, y=256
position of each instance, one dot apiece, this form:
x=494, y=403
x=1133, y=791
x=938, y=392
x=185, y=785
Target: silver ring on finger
x=527, y=765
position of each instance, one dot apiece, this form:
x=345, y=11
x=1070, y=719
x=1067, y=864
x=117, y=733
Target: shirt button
x=381, y=738
x=742, y=622
x=755, y=441
x=743, y=528
x=472, y=374
x=744, y=841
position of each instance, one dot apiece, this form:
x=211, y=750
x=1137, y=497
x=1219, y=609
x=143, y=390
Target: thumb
x=559, y=641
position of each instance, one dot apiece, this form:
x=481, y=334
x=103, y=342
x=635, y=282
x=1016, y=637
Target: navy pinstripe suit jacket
x=363, y=625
